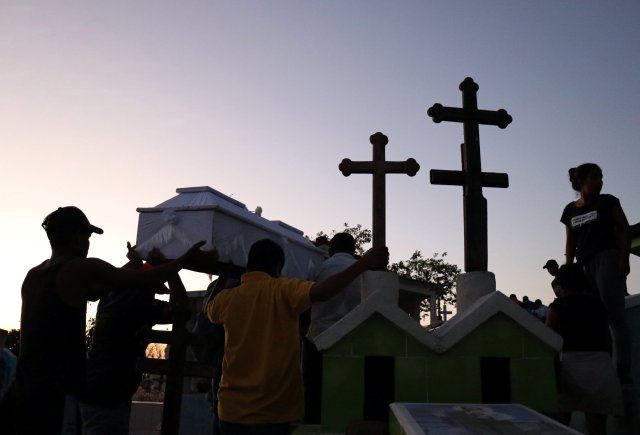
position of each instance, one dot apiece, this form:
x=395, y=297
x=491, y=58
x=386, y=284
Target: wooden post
x=176, y=368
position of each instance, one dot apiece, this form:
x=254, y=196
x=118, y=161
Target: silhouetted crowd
x=535, y=308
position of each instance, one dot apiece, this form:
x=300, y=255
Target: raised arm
x=372, y=259
x=178, y=306
x=135, y=261
x=178, y=293
x=84, y=277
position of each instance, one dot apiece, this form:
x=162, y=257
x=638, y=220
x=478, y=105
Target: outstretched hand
x=201, y=261
x=156, y=257
x=194, y=250
x=132, y=254
x=377, y=258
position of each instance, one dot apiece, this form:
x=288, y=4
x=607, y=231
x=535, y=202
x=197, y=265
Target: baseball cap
x=550, y=263
x=66, y=221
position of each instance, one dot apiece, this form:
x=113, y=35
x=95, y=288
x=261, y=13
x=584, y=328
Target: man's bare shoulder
x=36, y=271
x=85, y=270
x=39, y=267
x=85, y=263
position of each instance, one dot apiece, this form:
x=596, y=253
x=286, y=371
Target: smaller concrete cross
x=379, y=167
x=471, y=177
x=445, y=313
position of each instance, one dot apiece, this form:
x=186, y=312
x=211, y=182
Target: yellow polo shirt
x=261, y=377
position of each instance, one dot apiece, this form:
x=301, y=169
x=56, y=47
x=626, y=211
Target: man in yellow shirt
x=261, y=387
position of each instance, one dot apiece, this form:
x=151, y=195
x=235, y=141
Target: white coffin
x=203, y=213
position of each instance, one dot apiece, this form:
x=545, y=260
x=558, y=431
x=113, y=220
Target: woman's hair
x=579, y=174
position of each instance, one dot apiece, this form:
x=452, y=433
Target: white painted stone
x=471, y=286
x=479, y=312
x=632, y=301
x=385, y=282
x=380, y=286
x=375, y=304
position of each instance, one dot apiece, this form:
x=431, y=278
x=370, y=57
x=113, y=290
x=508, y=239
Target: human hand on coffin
x=197, y=260
x=135, y=261
x=376, y=258
x=156, y=257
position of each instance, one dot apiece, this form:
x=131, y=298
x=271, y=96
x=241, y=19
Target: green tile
x=342, y=392
x=453, y=380
x=499, y=336
x=533, y=383
x=411, y=380
x=533, y=347
x=342, y=348
x=394, y=425
x=416, y=348
x=377, y=336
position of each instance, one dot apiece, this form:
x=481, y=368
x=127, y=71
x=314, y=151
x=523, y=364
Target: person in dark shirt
x=599, y=238
x=51, y=374
x=588, y=380
x=112, y=378
x=526, y=304
x=552, y=267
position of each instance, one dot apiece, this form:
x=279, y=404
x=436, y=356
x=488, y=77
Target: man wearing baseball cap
x=51, y=365
x=552, y=267
x=65, y=221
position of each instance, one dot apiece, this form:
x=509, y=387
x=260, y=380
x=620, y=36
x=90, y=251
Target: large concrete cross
x=379, y=167
x=471, y=177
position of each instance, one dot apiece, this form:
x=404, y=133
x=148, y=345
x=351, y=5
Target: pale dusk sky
x=113, y=105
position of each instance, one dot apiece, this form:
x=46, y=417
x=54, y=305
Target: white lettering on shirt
x=578, y=221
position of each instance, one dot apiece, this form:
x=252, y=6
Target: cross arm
x=409, y=167
x=495, y=179
x=348, y=167
x=457, y=178
x=447, y=178
x=440, y=113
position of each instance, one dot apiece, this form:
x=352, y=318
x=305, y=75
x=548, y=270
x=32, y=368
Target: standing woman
x=599, y=239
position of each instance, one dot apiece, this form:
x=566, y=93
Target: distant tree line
x=13, y=341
